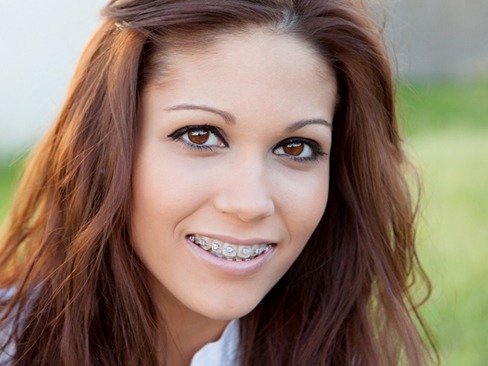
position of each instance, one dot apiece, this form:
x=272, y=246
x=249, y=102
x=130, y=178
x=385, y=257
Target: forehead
x=256, y=75
x=231, y=49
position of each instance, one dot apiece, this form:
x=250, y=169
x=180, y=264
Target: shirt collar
x=222, y=352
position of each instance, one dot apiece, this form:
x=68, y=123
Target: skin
x=254, y=88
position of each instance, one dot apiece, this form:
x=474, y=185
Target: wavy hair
x=78, y=293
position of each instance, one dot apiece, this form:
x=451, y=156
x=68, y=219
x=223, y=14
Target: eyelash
x=179, y=134
x=316, y=150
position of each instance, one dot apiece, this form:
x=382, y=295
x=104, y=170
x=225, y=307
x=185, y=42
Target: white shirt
x=223, y=352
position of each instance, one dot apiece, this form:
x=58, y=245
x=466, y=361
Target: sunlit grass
x=435, y=107
x=9, y=177
x=446, y=126
x=453, y=242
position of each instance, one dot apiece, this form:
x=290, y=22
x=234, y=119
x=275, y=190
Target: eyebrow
x=315, y=121
x=228, y=117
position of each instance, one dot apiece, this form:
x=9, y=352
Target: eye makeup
x=207, y=137
x=202, y=137
x=299, y=149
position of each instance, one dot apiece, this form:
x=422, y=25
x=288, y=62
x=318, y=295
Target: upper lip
x=234, y=240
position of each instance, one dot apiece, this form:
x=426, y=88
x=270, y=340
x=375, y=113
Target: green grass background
x=446, y=130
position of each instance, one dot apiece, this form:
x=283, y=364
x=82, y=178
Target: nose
x=245, y=192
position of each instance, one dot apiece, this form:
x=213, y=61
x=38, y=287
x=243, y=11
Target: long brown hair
x=78, y=294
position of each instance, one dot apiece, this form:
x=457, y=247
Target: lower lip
x=231, y=267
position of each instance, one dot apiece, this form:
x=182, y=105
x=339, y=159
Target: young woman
x=224, y=186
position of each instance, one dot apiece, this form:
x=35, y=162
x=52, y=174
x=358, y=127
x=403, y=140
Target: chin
x=227, y=307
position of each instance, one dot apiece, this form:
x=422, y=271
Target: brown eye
x=198, y=137
x=299, y=149
x=294, y=148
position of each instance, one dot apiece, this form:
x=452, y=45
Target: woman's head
x=232, y=148
x=159, y=73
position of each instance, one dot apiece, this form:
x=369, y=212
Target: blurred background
x=441, y=49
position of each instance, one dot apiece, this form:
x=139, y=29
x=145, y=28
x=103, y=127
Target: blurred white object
x=40, y=42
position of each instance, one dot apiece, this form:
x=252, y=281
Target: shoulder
x=7, y=348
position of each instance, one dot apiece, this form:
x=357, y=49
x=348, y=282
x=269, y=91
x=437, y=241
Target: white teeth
x=229, y=251
x=244, y=251
x=204, y=244
x=217, y=247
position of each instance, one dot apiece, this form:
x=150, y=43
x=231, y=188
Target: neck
x=187, y=335
x=186, y=331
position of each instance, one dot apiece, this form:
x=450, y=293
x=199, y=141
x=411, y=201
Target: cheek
x=154, y=197
x=165, y=185
x=302, y=202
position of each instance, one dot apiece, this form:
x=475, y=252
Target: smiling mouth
x=229, y=251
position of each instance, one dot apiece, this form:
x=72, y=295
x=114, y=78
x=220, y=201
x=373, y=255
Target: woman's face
x=231, y=171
